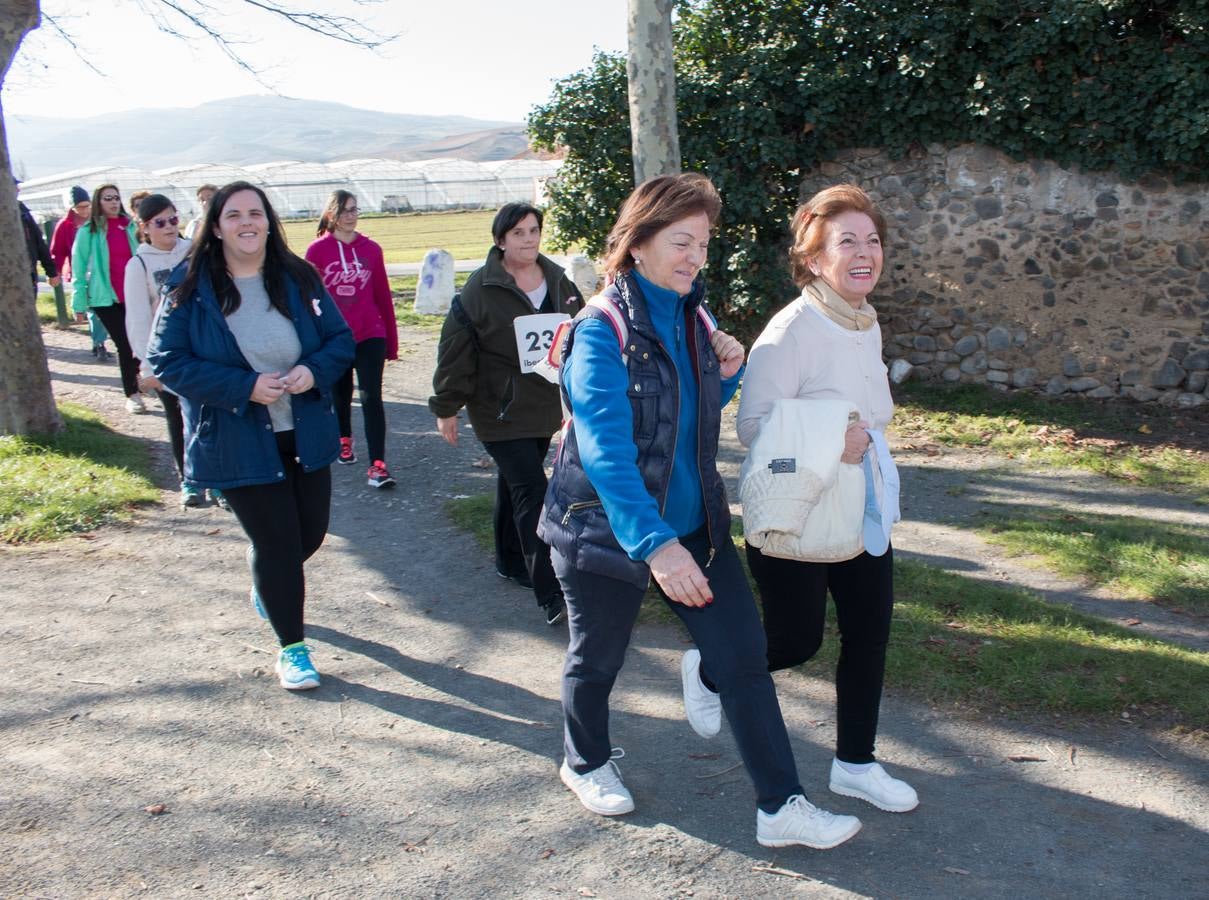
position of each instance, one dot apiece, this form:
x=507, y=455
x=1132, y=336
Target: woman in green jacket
x=103, y=246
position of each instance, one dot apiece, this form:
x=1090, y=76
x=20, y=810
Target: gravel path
x=136, y=674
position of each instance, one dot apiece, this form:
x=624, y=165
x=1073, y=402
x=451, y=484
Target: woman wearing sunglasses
x=99, y=255
x=146, y=274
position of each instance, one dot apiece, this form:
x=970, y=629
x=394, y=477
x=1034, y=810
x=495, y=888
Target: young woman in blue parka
x=251, y=343
x=636, y=494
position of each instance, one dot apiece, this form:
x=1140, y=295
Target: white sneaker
x=874, y=786
x=600, y=790
x=801, y=822
x=702, y=707
x=135, y=405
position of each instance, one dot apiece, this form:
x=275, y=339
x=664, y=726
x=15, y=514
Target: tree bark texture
x=652, y=81
x=27, y=404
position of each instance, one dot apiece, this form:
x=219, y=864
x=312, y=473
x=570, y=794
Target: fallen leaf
x=546, y=854
x=936, y=640
x=213, y=531
x=155, y=809
x=1144, y=429
x=1133, y=621
x=483, y=463
x=585, y=892
x=1024, y=759
x=953, y=870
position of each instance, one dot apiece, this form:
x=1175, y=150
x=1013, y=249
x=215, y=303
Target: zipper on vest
x=576, y=507
x=696, y=356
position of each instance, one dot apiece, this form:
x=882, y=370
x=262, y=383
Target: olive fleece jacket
x=477, y=363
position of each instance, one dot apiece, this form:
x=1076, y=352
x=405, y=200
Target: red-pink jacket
x=355, y=275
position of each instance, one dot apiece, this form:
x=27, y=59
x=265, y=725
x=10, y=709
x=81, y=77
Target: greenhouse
x=301, y=189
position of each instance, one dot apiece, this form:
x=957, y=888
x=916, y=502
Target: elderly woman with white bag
x=819, y=489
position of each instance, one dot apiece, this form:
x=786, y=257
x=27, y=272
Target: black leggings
x=520, y=489
x=368, y=363
x=114, y=319
x=176, y=429
x=794, y=596
x=286, y=521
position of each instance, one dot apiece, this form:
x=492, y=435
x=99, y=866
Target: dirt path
x=135, y=674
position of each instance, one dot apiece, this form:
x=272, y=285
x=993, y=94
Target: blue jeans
x=600, y=615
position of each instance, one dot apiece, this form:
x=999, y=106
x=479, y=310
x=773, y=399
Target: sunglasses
x=109, y=198
x=164, y=223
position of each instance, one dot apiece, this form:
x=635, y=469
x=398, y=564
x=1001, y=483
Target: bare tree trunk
x=27, y=405
x=652, y=79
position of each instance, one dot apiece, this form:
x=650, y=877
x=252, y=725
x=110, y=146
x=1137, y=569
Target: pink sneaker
x=378, y=475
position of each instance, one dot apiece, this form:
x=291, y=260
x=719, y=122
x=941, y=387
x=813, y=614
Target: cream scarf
x=820, y=295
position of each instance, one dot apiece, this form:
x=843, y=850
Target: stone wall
x=1029, y=275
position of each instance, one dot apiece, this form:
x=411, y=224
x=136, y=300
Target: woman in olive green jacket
x=103, y=246
x=514, y=412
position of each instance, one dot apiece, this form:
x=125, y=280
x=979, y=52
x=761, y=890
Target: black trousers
x=368, y=363
x=600, y=616
x=286, y=521
x=176, y=429
x=114, y=319
x=794, y=596
x=520, y=490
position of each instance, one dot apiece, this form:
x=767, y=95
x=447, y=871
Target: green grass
x=407, y=238
x=76, y=481
x=403, y=290
x=1121, y=441
x=47, y=311
x=1163, y=561
x=984, y=647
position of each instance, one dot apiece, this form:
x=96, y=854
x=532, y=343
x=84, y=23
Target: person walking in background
x=79, y=207
x=826, y=344
x=636, y=494
x=252, y=344
x=512, y=412
x=146, y=275
x=135, y=199
x=35, y=246
x=204, y=194
x=354, y=273
x=103, y=246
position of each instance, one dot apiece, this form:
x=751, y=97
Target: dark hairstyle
x=96, y=218
x=509, y=217
x=154, y=204
x=281, y=265
x=810, y=225
x=654, y=205
x=331, y=212
x=212, y=188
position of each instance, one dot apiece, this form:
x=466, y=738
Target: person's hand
x=149, y=383
x=680, y=576
x=54, y=280
x=298, y=380
x=448, y=427
x=81, y=318
x=729, y=351
x=856, y=442
x=268, y=388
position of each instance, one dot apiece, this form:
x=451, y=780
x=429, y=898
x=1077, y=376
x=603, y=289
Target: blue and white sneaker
x=295, y=670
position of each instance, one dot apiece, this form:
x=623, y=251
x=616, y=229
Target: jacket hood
x=150, y=252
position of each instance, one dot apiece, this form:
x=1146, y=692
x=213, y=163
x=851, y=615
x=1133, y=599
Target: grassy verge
x=407, y=238
x=1162, y=561
x=960, y=641
x=1124, y=442
x=85, y=477
x=403, y=289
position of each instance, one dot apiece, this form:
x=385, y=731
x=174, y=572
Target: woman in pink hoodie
x=354, y=273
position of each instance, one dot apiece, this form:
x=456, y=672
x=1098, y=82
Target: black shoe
x=555, y=610
x=521, y=577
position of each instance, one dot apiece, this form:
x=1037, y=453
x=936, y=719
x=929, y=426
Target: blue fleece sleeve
x=730, y=386
x=596, y=381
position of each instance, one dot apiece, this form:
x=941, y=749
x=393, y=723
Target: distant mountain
x=248, y=130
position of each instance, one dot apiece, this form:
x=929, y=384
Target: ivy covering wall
x=767, y=90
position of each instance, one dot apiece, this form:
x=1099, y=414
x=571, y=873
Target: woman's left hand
x=298, y=380
x=729, y=351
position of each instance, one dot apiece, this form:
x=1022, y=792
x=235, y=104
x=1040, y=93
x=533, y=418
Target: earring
x=637, y=261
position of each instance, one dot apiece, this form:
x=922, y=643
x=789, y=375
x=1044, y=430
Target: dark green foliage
x=768, y=90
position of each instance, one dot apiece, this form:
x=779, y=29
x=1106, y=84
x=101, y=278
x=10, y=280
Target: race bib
x=534, y=334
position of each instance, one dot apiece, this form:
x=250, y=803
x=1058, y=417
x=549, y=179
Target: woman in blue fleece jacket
x=636, y=494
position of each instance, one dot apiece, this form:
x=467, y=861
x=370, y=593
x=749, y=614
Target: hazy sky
x=489, y=59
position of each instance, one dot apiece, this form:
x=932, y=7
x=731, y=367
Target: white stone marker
x=434, y=290
x=582, y=273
